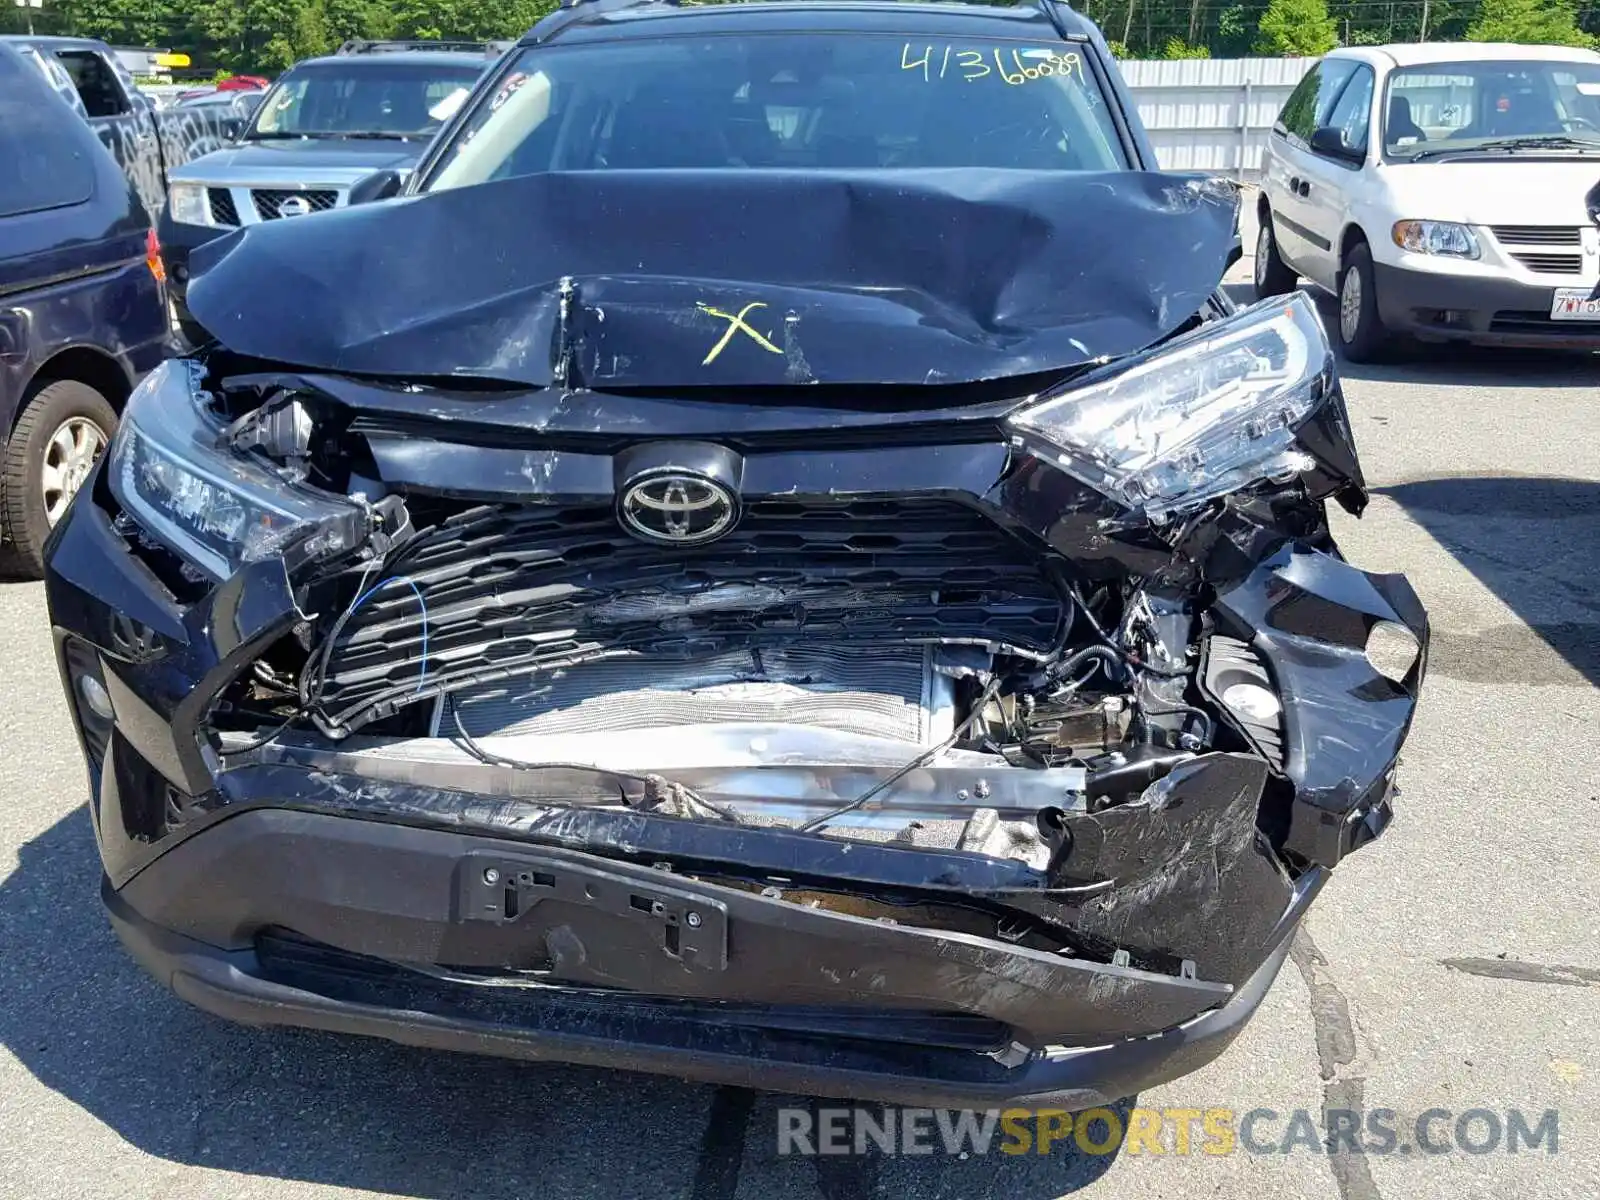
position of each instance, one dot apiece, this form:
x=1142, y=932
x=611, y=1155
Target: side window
x=98, y=86
x=1352, y=112
x=1309, y=104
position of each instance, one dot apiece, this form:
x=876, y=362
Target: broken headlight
x=1200, y=417
x=213, y=507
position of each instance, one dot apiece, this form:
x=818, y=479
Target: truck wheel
x=1274, y=277
x=61, y=434
x=1362, y=335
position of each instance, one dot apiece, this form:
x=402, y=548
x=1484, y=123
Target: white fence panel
x=1212, y=114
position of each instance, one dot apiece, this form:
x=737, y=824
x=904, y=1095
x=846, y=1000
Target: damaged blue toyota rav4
x=771, y=560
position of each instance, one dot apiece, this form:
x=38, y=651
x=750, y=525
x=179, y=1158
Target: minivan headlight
x=1197, y=418
x=1444, y=238
x=215, y=508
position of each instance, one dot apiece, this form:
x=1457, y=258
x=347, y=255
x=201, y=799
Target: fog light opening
x=1392, y=650
x=1252, y=701
x=95, y=697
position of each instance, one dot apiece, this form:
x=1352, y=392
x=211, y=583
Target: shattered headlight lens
x=1436, y=237
x=213, y=507
x=1197, y=418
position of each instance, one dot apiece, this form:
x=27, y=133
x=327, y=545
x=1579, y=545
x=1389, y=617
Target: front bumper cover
x=1488, y=312
x=400, y=892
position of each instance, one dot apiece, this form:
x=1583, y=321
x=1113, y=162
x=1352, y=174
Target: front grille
x=1552, y=264
x=1537, y=235
x=1537, y=323
x=223, y=210
x=269, y=201
x=514, y=590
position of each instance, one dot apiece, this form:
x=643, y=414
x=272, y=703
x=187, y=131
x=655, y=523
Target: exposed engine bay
x=899, y=669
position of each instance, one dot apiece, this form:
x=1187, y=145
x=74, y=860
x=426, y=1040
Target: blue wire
x=421, y=603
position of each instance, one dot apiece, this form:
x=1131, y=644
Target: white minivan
x=1446, y=191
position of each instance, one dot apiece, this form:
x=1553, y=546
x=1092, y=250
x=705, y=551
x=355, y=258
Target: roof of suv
x=1411, y=54
x=462, y=58
x=608, y=19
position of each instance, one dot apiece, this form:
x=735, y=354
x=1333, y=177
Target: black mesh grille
x=269, y=203
x=223, y=210
x=513, y=590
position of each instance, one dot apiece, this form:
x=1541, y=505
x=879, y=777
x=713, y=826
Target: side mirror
x=380, y=185
x=232, y=127
x=1330, y=141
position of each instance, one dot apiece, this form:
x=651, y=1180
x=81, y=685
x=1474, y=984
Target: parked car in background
x=239, y=106
x=82, y=315
x=325, y=124
x=147, y=141
x=1446, y=191
x=776, y=560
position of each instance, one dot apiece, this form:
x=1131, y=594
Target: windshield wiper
x=378, y=135
x=1540, y=141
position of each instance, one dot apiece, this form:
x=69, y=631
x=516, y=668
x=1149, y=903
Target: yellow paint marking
x=736, y=324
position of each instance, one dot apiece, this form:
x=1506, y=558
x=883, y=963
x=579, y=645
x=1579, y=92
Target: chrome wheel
x=1263, y=255
x=72, y=451
x=1350, y=305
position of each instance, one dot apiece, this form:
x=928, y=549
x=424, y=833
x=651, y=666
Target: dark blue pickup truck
x=82, y=309
x=148, y=142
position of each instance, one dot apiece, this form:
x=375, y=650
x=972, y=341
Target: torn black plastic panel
x=706, y=279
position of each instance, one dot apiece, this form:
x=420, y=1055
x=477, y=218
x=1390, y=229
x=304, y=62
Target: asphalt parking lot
x=1452, y=965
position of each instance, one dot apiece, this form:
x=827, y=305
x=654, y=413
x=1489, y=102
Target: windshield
x=1466, y=108
x=377, y=99
x=787, y=101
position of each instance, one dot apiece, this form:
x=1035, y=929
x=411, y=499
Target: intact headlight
x=215, y=508
x=1444, y=238
x=1198, y=418
x=187, y=204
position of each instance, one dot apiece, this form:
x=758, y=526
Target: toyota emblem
x=678, y=508
x=294, y=206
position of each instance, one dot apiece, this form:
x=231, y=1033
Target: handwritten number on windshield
x=973, y=65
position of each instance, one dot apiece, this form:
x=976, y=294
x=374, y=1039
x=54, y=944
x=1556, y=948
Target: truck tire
x=64, y=429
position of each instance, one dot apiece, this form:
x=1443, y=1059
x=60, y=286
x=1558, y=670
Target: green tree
x=248, y=35
x=1296, y=27
x=124, y=22
x=474, y=19
x=1176, y=47
x=1549, y=22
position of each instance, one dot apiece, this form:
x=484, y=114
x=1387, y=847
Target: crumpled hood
x=722, y=278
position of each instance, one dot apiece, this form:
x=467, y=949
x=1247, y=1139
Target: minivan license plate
x=1575, y=304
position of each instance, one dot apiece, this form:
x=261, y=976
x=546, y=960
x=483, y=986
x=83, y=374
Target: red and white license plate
x=1574, y=304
